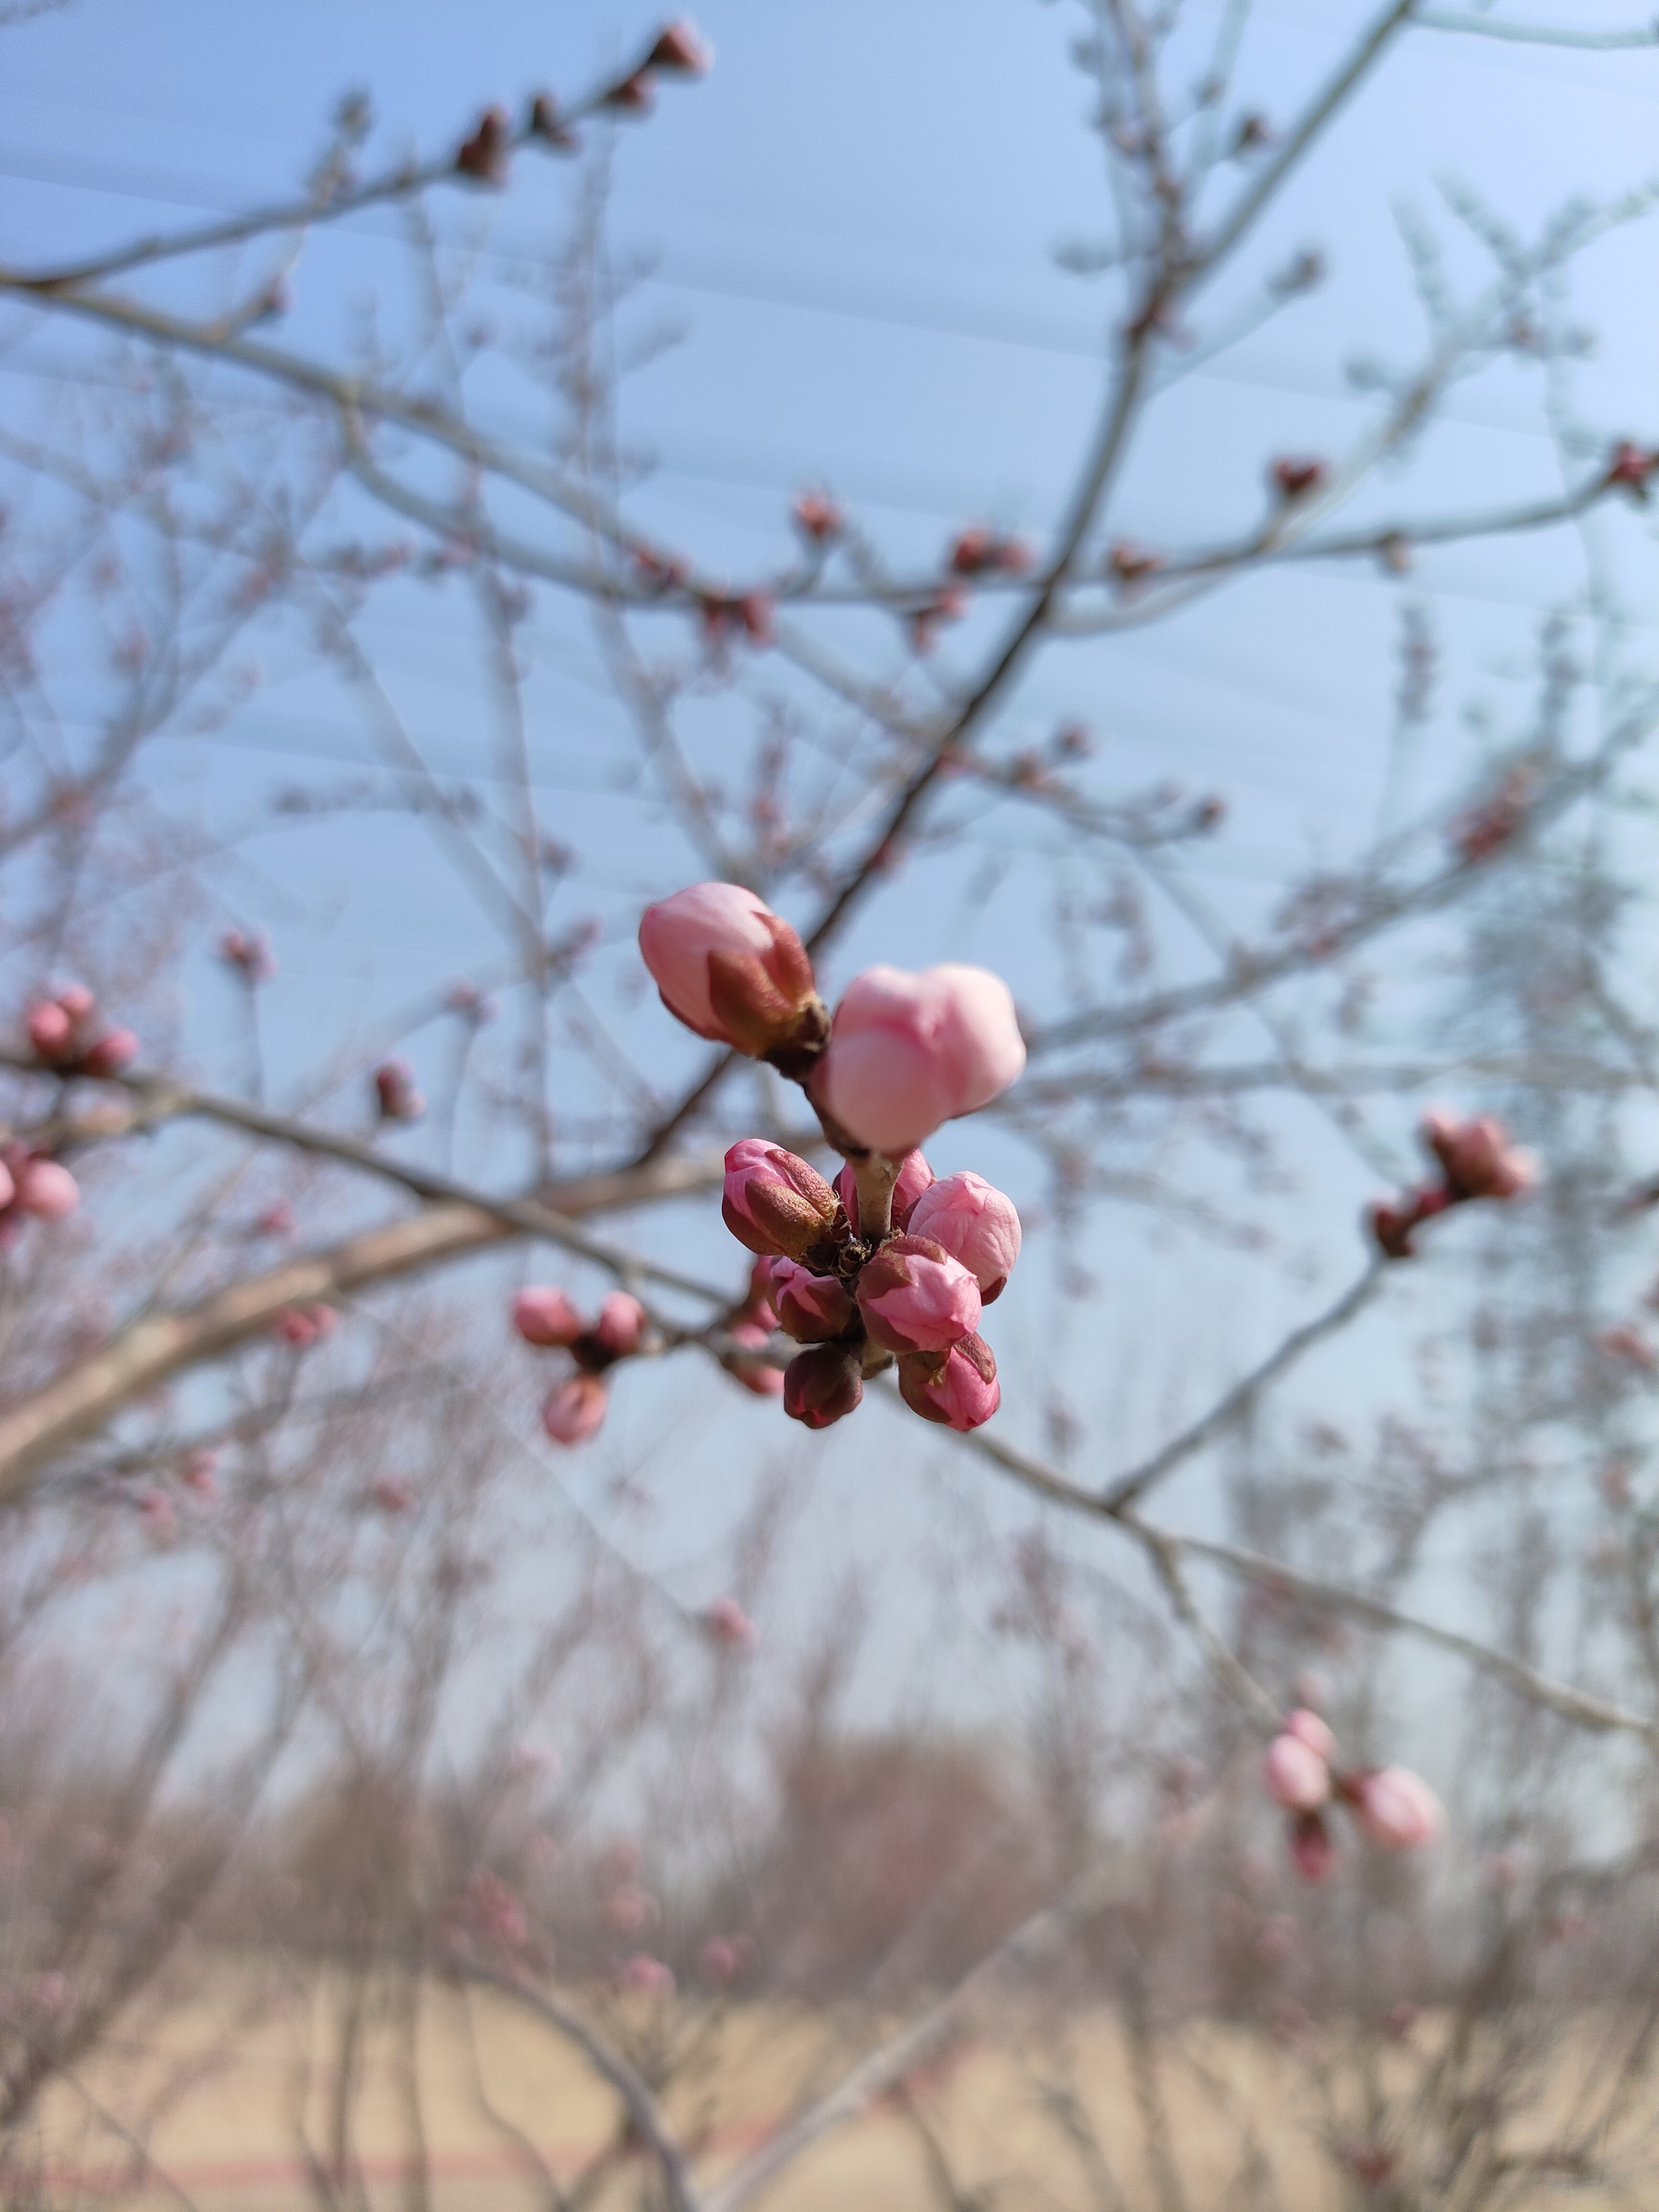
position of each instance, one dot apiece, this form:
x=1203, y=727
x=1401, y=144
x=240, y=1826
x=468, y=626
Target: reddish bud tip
x=822, y=1385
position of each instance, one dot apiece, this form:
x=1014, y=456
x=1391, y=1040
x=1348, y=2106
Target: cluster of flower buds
x=902, y=1054
x=1476, y=1160
x=303, y=1325
x=248, y=951
x=979, y=550
x=1391, y=1807
x=1498, y=819
x=33, y=1185
x=69, y=1037
x=736, y=614
x=395, y=1096
x=549, y=1319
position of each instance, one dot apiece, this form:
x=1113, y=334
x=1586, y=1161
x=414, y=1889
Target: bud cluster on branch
x=1476, y=1160
x=1392, y=1808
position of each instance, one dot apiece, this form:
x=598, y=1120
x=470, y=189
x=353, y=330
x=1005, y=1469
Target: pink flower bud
x=1308, y=1729
x=391, y=1493
x=755, y=1373
x=620, y=1327
x=198, y=1471
x=545, y=1316
x=907, y=1051
x=1297, y=1776
x=484, y=155
x=395, y=1093
x=720, y=1961
x=681, y=48
x=958, y=1388
x=914, y=1177
x=1477, y=1156
x=576, y=1410
x=51, y=1031
x=729, y=969
x=818, y=517
x=915, y=1298
x=77, y=1003
x=728, y=1623
x=1312, y=1853
x=1295, y=479
x=810, y=1308
x=295, y=1325
x=822, y=1385
x=249, y=952
x=1395, y=1808
x=647, y=1977
x=975, y=1223
x=45, y=1189
x=775, y=1203
x=115, y=1050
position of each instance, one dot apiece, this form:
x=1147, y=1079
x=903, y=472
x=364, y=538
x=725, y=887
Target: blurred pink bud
x=51, y=1030
x=755, y=1374
x=818, y=516
x=395, y=1093
x=975, y=1223
x=915, y=1298
x=681, y=48
x=277, y=1220
x=810, y=1308
x=1477, y=1156
x=1395, y=1808
x=576, y=1410
x=1312, y=1853
x=301, y=1326
x=1297, y=1776
x=775, y=1203
x=822, y=1385
x=914, y=1177
x=77, y=1002
x=979, y=550
x=720, y=1961
x=198, y=1471
x=484, y=155
x=391, y=1493
x=115, y=1050
x=1295, y=479
x=249, y=952
x=728, y=967
x=628, y=1910
x=620, y=1327
x=646, y=1975
x=958, y=1388
x=907, y=1051
x=45, y=1189
x=1393, y=1226
x=546, y=1316
x=1308, y=1728
x=728, y=1623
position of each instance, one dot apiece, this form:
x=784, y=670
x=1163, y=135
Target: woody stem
x=875, y=1176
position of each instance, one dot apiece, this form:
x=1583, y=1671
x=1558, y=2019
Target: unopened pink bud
x=77, y=1003
x=728, y=967
x=681, y=48
x=728, y=1623
x=391, y=1493
x=647, y=1977
x=622, y=1325
x=1312, y=1853
x=907, y=1051
x=296, y=1326
x=975, y=1223
x=775, y=1203
x=545, y=1316
x=958, y=1388
x=47, y=1190
x=51, y=1030
x=915, y=1298
x=1395, y=1808
x=818, y=516
x=395, y=1093
x=810, y=1308
x=720, y=1961
x=755, y=1373
x=115, y=1050
x=1297, y=1776
x=822, y=1385
x=1308, y=1729
x=1477, y=1156
x=914, y=1177
x=576, y=1410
